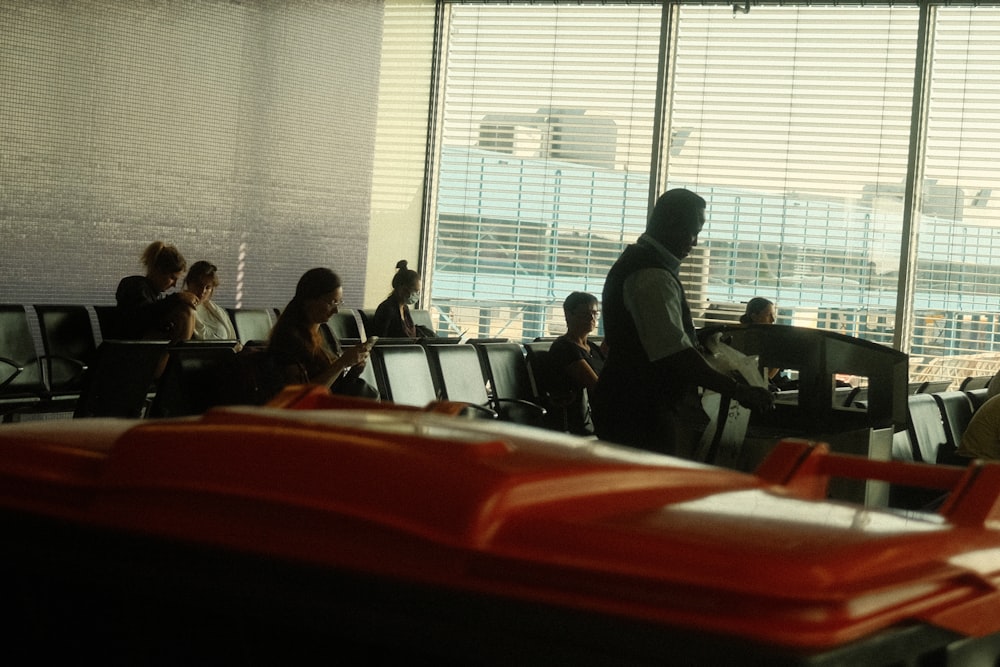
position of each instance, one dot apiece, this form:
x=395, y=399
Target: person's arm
x=582, y=374
x=655, y=303
x=689, y=363
x=382, y=320
x=352, y=357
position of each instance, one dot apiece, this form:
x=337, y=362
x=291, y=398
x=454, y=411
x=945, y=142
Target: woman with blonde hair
x=145, y=309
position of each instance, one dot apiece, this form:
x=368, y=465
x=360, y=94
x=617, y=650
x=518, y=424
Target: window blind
x=958, y=250
x=546, y=134
x=796, y=124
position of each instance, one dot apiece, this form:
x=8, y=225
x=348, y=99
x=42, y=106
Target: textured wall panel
x=243, y=132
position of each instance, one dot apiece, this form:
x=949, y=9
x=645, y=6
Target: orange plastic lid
x=523, y=513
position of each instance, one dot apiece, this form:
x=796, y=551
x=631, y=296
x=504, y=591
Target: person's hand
x=189, y=298
x=758, y=399
x=355, y=355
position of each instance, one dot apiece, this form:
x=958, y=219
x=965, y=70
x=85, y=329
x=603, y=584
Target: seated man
x=981, y=439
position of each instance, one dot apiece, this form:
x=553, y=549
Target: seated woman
x=392, y=317
x=299, y=351
x=575, y=362
x=211, y=321
x=761, y=311
x=145, y=309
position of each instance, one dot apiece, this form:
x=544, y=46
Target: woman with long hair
x=300, y=351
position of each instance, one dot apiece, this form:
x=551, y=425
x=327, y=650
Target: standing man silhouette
x=654, y=365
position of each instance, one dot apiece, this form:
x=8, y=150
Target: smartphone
x=370, y=343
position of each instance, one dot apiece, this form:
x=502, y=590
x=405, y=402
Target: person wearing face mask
x=646, y=394
x=211, y=321
x=392, y=317
x=145, y=310
x=298, y=350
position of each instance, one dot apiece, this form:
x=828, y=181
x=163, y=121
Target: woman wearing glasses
x=574, y=363
x=301, y=353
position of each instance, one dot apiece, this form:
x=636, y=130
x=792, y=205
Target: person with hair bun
x=145, y=309
x=392, y=317
x=299, y=350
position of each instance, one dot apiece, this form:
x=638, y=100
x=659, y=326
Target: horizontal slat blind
x=793, y=121
x=546, y=137
x=795, y=126
x=958, y=261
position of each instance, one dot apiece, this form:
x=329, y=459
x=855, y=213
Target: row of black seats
x=933, y=433
x=494, y=380
x=500, y=379
x=52, y=381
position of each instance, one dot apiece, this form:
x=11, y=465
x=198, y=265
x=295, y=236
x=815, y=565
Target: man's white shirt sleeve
x=653, y=298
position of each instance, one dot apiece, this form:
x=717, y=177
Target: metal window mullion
x=903, y=335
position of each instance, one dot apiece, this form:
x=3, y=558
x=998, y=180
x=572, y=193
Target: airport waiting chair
x=333, y=341
x=910, y=497
x=458, y=374
x=403, y=374
x=930, y=386
x=70, y=346
x=422, y=319
x=902, y=447
x=199, y=375
x=974, y=382
x=544, y=385
x=108, y=322
x=930, y=438
x=365, y=317
x=120, y=381
x=346, y=325
x=977, y=397
x=956, y=412
x=252, y=324
x=512, y=395
x=926, y=427
x=22, y=387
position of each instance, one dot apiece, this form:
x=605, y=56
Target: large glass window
x=795, y=122
x=957, y=280
x=543, y=172
x=796, y=127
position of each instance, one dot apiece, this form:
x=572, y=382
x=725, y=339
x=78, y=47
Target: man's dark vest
x=628, y=368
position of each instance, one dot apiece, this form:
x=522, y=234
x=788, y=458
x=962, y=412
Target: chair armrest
x=532, y=406
x=519, y=410
x=76, y=364
x=482, y=409
x=18, y=369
